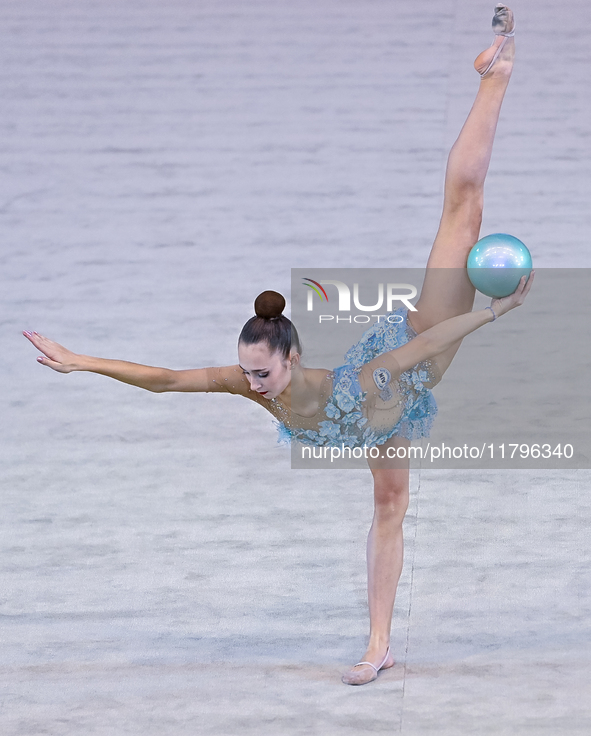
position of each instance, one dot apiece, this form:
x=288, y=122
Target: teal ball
x=496, y=264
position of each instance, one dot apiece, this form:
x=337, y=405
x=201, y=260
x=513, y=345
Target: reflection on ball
x=496, y=263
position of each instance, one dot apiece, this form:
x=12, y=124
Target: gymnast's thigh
x=447, y=291
x=393, y=457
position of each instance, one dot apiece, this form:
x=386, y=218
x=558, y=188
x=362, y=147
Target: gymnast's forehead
x=257, y=356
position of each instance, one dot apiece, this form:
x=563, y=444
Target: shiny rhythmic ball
x=496, y=264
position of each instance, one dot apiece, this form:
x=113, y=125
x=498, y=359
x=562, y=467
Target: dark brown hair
x=270, y=326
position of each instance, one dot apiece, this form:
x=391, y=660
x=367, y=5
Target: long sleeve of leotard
x=229, y=379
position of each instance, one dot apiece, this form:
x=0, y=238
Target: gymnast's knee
x=390, y=493
x=464, y=206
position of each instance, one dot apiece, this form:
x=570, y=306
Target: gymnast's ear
x=294, y=359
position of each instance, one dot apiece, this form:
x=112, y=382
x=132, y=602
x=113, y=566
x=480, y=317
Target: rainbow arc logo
x=315, y=286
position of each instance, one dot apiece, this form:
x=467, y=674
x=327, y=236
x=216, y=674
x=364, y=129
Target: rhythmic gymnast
x=381, y=395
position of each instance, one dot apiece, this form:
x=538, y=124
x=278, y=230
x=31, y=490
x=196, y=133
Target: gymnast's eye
x=263, y=375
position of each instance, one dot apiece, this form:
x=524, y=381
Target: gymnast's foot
x=367, y=670
x=497, y=61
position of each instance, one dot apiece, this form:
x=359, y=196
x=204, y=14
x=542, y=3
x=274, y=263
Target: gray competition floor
x=163, y=571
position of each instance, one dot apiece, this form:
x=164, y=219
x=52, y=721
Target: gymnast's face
x=269, y=374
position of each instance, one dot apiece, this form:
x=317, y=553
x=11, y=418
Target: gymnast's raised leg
x=446, y=292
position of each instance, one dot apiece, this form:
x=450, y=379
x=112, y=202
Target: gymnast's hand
x=516, y=299
x=54, y=356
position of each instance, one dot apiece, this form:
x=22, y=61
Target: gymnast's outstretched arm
x=151, y=378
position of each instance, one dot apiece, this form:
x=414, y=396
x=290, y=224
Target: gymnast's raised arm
x=154, y=379
x=447, y=334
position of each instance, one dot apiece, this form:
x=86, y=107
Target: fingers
x=525, y=283
x=48, y=347
x=42, y=343
x=44, y=360
x=528, y=283
x=516, y=299
x=55, y=356
x=34, y=337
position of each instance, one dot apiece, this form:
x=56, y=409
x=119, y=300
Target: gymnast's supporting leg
x=384, y=559
x=447, y=291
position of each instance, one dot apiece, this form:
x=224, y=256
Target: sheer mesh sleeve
x=229, y=379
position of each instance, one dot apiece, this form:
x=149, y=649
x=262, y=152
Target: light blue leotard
x=346, y=419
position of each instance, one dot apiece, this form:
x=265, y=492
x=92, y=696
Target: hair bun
x=269, y=305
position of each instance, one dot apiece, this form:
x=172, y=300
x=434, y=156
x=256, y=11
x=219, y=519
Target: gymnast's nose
x=255, y=383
